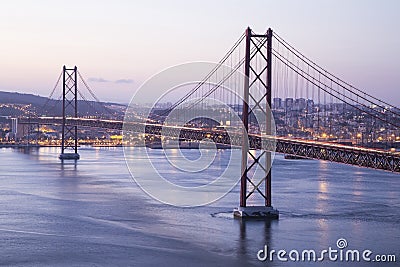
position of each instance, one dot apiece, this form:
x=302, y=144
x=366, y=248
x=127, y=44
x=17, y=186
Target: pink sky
x=129, y=41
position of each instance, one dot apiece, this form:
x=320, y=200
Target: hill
x=18, y=98
x=20, y=104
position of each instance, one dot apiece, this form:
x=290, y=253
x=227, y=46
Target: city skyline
x=118, y=46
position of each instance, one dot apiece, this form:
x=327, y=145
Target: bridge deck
x=364, y=157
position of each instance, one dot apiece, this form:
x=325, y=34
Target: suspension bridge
x=286, y=103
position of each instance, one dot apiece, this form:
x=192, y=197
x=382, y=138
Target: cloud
x=101, y=80
x=98, y=80
x=124, y=81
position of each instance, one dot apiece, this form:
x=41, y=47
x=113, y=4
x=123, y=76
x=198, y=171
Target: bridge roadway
x=359, y=156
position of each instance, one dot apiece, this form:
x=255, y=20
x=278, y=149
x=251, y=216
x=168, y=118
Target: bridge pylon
x=256, y=99
x=70, y=110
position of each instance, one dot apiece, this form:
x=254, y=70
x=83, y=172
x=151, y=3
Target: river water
x=92, y=213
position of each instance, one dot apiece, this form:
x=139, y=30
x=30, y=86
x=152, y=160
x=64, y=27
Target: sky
x=119, y=44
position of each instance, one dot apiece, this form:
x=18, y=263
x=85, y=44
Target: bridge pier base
x=69, y=156
x=256, y=212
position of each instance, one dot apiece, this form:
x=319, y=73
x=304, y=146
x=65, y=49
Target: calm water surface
x=91, y=213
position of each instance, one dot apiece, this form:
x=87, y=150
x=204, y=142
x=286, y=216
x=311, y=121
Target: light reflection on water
x=91, y=211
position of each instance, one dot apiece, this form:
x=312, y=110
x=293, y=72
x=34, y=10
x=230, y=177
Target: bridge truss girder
x=359, y=157
x=363, y=157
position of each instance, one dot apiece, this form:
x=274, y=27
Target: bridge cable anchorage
x=313, y=80
x=316, y=66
